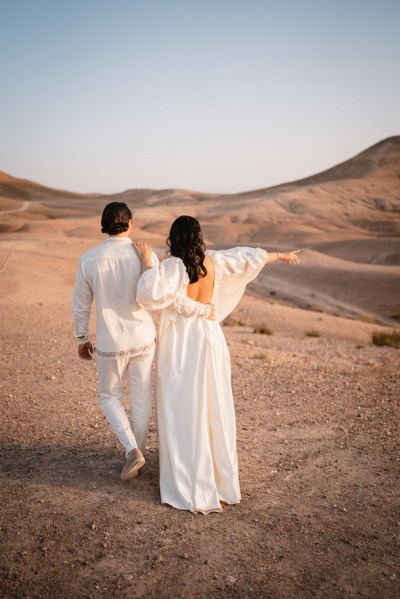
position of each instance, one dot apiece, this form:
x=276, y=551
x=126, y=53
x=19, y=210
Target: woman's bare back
x=202, y=290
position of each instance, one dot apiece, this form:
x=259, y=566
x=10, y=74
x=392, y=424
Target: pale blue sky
x=213, y=95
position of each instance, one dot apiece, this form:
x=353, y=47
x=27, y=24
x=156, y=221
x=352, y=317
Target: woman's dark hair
x=115, y=218
x=186, y=242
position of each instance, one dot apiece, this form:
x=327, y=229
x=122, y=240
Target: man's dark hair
x=115, y=218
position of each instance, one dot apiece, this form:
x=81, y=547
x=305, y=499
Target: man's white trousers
x=138, y=370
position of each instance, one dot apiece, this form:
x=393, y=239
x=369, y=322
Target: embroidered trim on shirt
x=132, y=351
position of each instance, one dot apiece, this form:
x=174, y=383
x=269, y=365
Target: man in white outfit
x=125, y=332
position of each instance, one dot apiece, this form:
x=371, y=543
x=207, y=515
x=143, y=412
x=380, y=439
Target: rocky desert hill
x=317, y=404
x=346, y=219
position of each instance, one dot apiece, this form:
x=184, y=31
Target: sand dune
x=329, y=284
x=347, y=218
x=316, y=403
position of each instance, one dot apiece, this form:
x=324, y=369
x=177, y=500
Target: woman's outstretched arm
x=288, y=257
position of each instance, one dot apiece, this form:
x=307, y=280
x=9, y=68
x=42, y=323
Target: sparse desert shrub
x=313, y=333
x=368, y=318
x=272, y=292
x=262, y=330
x=259, y=357
x=390, y=339
x=396, y=314
x=231, y=322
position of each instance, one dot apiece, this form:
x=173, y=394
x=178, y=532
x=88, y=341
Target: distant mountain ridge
x=361, y=165
x=384, y=155
x=23, y=189
x=345, y=220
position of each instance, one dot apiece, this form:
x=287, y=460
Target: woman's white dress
x=195, y=410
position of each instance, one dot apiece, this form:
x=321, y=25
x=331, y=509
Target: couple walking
x=195, y=290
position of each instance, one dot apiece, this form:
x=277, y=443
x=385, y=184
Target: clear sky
x=212, y=95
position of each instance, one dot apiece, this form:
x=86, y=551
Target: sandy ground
x=317, y=421
x=317, y=404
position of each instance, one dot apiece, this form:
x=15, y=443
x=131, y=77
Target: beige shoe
x=134, y=461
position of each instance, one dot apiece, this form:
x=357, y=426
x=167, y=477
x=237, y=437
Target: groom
x=125, y=332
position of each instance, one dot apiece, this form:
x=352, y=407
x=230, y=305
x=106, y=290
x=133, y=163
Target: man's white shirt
x=109, y=273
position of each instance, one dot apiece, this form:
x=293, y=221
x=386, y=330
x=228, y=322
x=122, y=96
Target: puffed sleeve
x=159, y=286
x=234, y=269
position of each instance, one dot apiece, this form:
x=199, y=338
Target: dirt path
x=21, y=208
x=317, y=423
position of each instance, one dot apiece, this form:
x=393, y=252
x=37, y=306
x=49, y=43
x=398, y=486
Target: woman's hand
x=211, y=316
x=145, y=253
x=290, y=257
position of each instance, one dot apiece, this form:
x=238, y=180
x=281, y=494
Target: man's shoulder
x=95, y=252
x=105, y=251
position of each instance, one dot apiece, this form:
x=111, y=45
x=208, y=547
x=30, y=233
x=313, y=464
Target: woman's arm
x=145, y=253
x=159, y=293
x=189, y=307
x=288, y=257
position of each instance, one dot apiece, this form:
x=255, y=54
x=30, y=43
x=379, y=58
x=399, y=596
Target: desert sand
x=317, y=403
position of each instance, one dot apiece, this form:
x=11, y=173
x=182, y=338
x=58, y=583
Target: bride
x=196, y=290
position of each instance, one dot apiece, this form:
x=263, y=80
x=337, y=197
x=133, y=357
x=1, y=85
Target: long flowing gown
x=195, y=409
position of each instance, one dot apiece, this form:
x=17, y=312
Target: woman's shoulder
x=172, y=262
x=173, y=265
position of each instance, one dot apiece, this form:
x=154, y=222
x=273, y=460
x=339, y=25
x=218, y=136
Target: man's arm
x=82, y=303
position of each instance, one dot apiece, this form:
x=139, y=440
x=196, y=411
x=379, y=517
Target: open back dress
x=195, y=409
